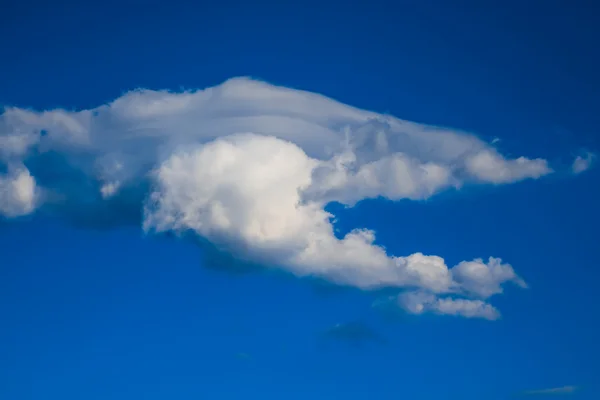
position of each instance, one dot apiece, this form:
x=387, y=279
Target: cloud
x=466, y=286
x=582, y=163
x=355, y=332
x=243, y=193
x=249, y=167
x=485, y=279
x=558, y=390
x=419, y=302
x=490, y=166
x=18, y=193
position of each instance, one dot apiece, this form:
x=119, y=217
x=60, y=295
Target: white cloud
x=485, y=279
x=250, y=167
x=18, y=193
x=15, y=144
x=489, y=166
x=582, y=163
x=421, y=302
x=396, y=176
x=243, y=192
x=109, y=189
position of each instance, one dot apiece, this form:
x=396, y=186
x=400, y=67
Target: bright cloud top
x=250, y=167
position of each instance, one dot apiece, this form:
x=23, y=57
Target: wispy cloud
x=551, y=391
x=353, y=332
x=583, y=163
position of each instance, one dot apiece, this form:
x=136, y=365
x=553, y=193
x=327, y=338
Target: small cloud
x=109, y=189
x=583, y=163
x=420, y=302
x=18, y=193
x=489, y=166
x=558, y=390
x=495, y=140
x=354, y=332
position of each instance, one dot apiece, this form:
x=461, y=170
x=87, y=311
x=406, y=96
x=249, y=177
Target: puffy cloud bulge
x=250, y=167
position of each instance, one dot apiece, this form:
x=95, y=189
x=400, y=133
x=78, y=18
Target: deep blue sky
x=110, y=314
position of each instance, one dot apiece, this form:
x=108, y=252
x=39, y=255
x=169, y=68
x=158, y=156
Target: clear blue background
x=88, y=314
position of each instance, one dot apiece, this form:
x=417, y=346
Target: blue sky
x=93, y=306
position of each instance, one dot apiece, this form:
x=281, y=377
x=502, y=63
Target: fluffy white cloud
x=18, y=193
x=582, y=163
x=421, y=302
x=250, y=167
x=243, y=193
x=489, y=166
x=485, y=279
x=395, y=176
